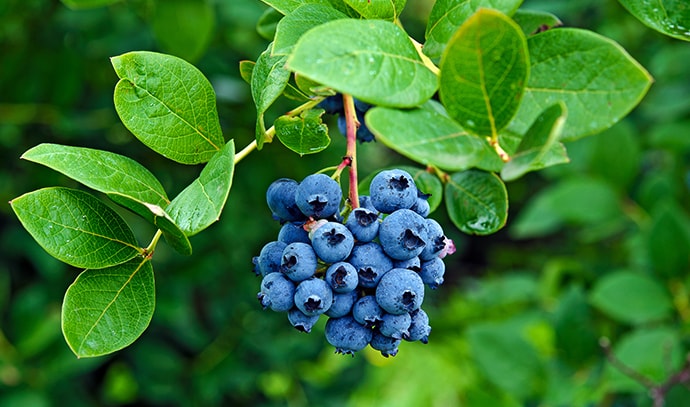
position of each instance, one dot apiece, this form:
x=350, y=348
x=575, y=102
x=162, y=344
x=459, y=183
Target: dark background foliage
x=517, y=322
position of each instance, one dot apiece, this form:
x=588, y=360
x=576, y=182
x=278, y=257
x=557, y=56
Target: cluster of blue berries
x=334, y=105
x=366, y=273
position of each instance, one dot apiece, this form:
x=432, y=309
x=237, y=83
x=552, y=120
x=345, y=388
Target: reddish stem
x=351, y=155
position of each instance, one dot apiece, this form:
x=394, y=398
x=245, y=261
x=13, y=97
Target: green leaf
x=669, y=17
x=532, y=21
x=431, y=138
x=75, y=227
x=596, y=79
x=425, y=181
x=301, y=20
x=201, y=203
x=504, y=356
x=84, y=4
x=484, y=70
x=106, y=310
x=269, y=79
x=288, y=6
x=183, y=27
x=103, y=171
x=448, y=15
x=477, y=202
x=268, y=23
x=305, y=134
x=246, y=69
x=373, y=60
x=632, y=298
x=541, y=139
x=668, y=241
x=168, y=105
x=651, y=352
x=378, y=9
x=124, y=180
x=590, y=201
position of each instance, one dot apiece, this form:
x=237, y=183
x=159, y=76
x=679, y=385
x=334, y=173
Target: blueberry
x=270, y=257
x=391, y=190
x=395, y=326
x=400, y=291
x=298, y=261
x=432, y=272
x=277, y=292
x=419, y=327
x=402, y=234
x=370, y=262
x=435, y=239
x=347, y=335
x=313, y=296
x=365, y=202
x=300, y=321
x=342, y=304
x=386, y=345
x=318, y=196
x=414, y=264
x=364, y=135
x=364, y=224
x=342, y=277
x=361, y=106
x=421, y=205
x=280, y=197
x=293, y=232
x=367, y=311
x=332, y=242
x=332, y=104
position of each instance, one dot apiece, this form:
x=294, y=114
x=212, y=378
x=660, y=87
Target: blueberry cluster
x=366, y=273
x=334, y=105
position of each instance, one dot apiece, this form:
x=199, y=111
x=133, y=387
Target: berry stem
x=351, y=154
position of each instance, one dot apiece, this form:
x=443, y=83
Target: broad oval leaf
x=106, y=310
x=186, y=37
x=632, y=298
x=373, y=60
x=103, y=171
x=540, y=147
x=477, y=202
x=652, y=352
x=288, y=6
x=201, y=203
x=431, y=138
x=670, y=17
x=484, y=71
x=448, y=15
x=378, y=9
x=596, y=79
x=295, y=24
x=533, y=21
x=124, y=180
x=268, y=81
x=305, y=134
x=75, y=227
x=168, y=105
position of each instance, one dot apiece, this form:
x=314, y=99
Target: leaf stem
x=425, y=59
x=148, y=251
x=245, y=151
x=351, y=154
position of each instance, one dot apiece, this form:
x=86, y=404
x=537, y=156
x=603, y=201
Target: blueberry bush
x=473, y=176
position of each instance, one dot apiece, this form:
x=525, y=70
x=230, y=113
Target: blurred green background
x=596, y=248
